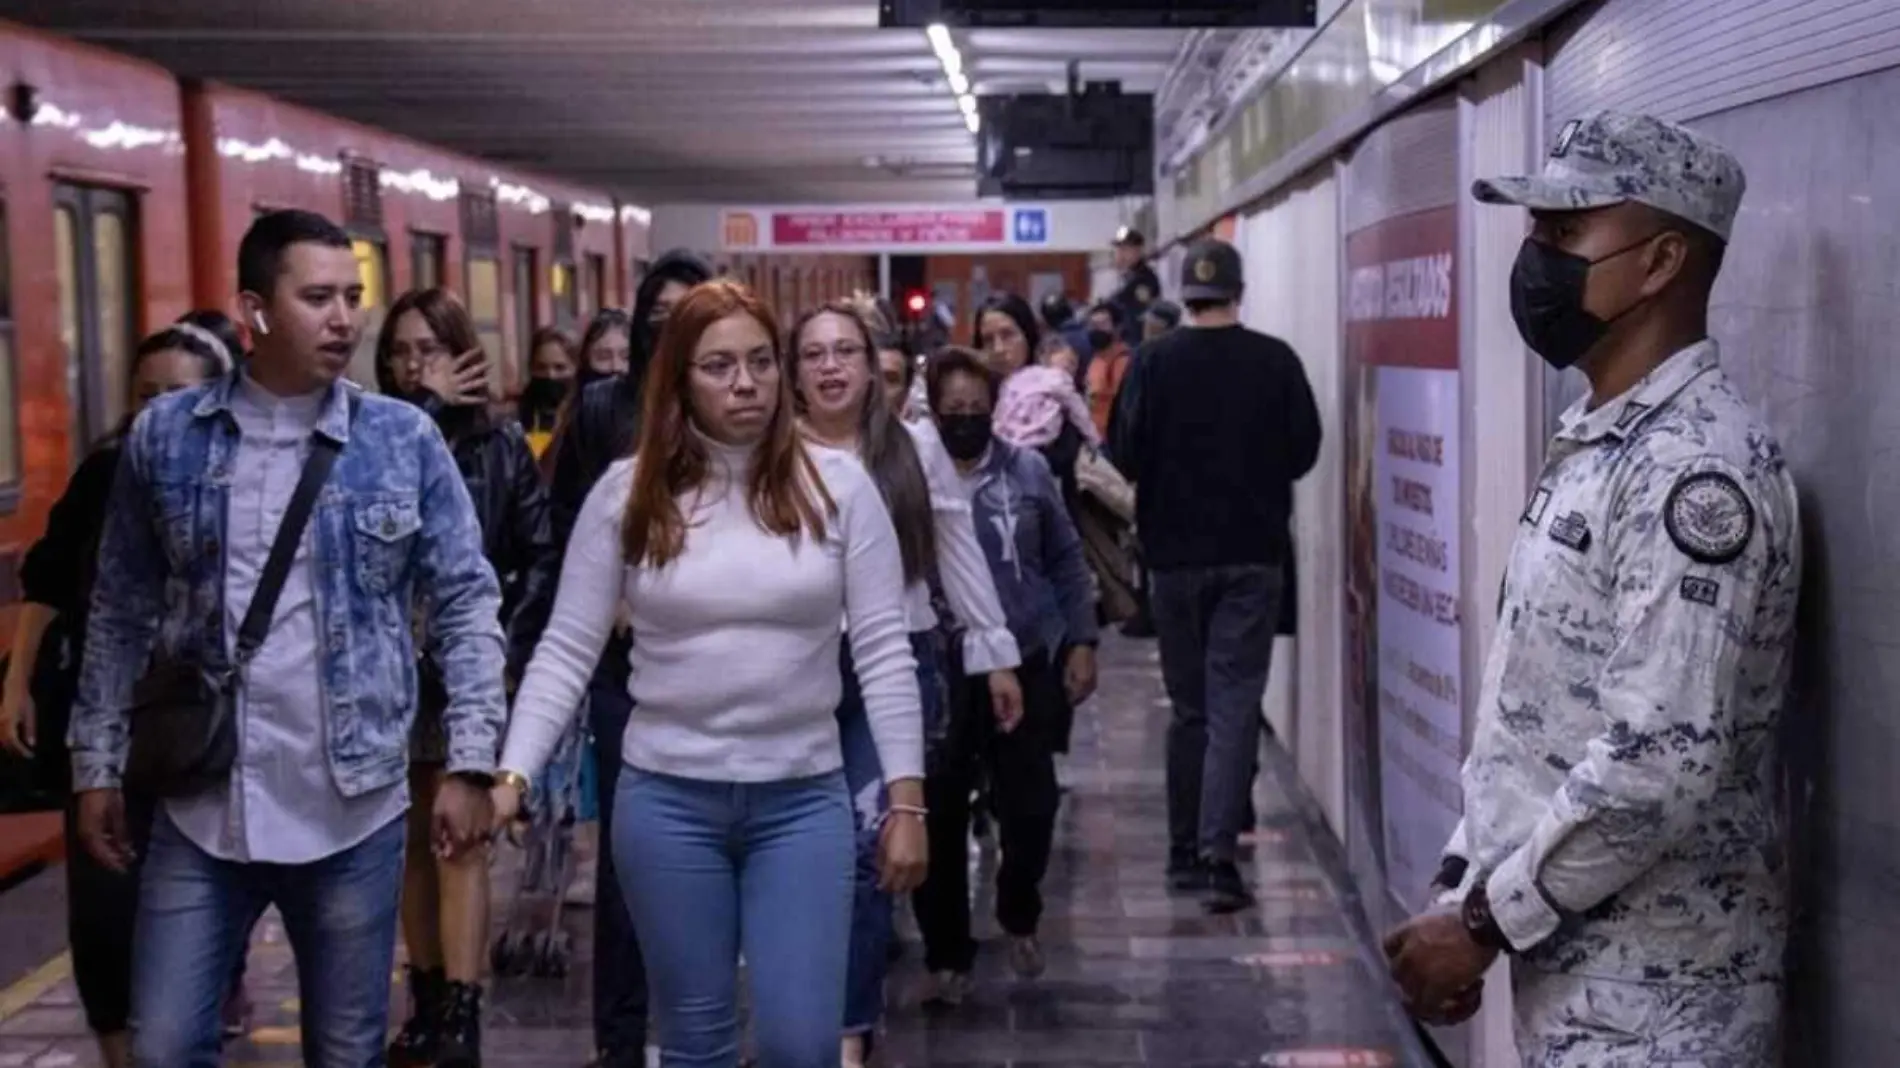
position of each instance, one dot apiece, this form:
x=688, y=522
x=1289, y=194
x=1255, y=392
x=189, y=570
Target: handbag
x=184, y=711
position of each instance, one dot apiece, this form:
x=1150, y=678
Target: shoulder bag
x=184, y=710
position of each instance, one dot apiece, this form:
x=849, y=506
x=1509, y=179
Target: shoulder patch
x=1699, y=590
x=1534, y=511
x=1709, y=517
x=1571, y=530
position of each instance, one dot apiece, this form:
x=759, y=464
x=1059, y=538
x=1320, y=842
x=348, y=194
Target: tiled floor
x=1135, y=976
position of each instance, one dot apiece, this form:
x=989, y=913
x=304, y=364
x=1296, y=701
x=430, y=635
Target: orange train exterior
x=124, y=193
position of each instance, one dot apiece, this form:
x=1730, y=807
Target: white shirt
x=282, y=805
x=961, y=566
x=735, y=674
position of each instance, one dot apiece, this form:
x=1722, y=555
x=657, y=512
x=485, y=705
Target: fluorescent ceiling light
x=959, y=83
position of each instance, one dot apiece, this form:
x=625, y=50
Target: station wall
x=1805, y=310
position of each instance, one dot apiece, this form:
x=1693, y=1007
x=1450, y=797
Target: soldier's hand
x=1462, y=1006
x=1435, y=961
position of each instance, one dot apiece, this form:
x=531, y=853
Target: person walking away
x=56, y=580
x=276, y=732
x=737, y=550
x=1035, y=558
x=429, y=354
x=1618, y=845
x=1221, y=423
x=602, y=425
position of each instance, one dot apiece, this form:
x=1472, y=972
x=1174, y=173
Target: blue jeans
x=196, y=912
x=871, y=916
x=714, y=870
x=1215, y=626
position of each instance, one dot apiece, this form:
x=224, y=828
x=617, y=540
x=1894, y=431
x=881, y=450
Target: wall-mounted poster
x=1403, y=514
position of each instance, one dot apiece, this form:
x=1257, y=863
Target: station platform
x=1135, y=976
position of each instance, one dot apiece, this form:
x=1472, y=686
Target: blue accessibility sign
x=1031, y=226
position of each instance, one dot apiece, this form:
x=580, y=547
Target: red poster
x=1402, y=436
x=821, y=228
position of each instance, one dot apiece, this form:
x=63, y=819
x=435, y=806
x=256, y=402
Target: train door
x=525, y=325
x=95, y=233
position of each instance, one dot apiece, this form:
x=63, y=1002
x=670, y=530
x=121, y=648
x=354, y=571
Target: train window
x=95, y=238
x=372, y=269
x=484, y=306
x=427, y=255
x=567, y=295
x=9, y=403
x=524, y=304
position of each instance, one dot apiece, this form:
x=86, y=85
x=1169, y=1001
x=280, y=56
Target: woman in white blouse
x=735, y=549
x=834, y=356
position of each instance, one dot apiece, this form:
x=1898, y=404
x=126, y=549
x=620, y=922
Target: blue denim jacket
x=394, y=520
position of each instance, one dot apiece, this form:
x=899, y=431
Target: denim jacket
x=1034, y=551
x=394, y=520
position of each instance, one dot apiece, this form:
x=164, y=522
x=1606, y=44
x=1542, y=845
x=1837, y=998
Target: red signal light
x=917, y=302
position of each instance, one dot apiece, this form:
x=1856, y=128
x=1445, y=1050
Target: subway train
x=124, y=192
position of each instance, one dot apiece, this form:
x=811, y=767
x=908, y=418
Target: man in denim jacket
x=310, y=819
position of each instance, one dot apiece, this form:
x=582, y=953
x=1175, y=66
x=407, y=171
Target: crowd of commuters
x=811, y=603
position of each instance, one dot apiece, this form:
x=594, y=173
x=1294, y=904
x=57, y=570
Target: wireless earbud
x=257, y=319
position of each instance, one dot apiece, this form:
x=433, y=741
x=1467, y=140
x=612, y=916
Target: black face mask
x=964, y=436
x=542, y=394
x=1101, y=340
x=1547, y=287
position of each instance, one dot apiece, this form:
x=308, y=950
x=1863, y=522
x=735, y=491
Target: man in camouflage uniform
x=1619, y=841
x=1139, y=287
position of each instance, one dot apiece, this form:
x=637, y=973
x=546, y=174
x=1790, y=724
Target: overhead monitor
x=1085, y=14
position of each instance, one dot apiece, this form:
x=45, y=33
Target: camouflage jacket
x=1620, y=792
x=394, y=521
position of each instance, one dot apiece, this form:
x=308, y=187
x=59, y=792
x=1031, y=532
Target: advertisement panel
x=1403, y=514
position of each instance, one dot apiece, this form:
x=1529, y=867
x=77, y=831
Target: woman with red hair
x=736, y=549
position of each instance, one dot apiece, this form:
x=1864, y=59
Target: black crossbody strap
x=283, y=550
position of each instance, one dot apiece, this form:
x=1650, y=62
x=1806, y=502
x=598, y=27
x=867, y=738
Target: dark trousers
x=1216, y=634
x=1023, y=798
x=101, y=905
x=620, y=977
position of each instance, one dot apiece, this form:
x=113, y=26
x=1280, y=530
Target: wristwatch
x=1451, y=874
x=1479, y=922
x=504, y=777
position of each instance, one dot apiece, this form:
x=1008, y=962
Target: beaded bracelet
x=918, y=811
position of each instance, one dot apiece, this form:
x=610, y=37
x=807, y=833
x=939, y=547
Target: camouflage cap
x=1613, y=158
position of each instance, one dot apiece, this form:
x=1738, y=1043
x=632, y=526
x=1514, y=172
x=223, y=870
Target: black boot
x=461, y=1027
x=419, y=1041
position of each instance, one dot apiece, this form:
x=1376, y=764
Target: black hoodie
x=606, y=416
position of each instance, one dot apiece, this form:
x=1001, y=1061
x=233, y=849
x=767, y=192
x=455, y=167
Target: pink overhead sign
x=813, y=229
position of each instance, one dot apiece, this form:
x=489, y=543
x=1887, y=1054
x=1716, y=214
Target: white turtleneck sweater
x=735, y=674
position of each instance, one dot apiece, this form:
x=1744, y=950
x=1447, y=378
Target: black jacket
x=517, y=530
x=1214, y=425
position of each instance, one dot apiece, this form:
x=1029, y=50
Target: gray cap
x=1611, y=158
x=1211, y=271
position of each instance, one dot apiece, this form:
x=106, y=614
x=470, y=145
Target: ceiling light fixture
x=952, y=60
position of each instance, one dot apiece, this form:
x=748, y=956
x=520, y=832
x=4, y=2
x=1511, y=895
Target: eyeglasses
x=724, y=367
x=844, y=353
